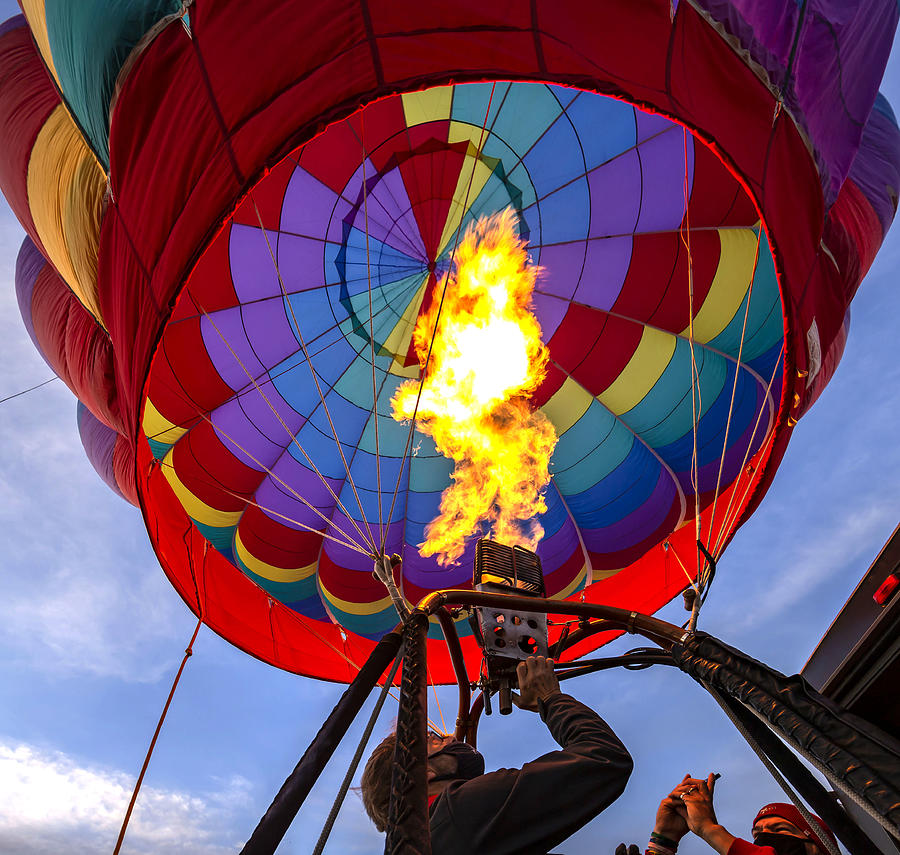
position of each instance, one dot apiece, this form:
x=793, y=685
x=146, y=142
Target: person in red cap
x=778, y=829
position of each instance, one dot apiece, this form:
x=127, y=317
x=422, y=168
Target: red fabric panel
x=853, y=235
x=656, y=286
x=549, y=387
x=275, y=543
x=265, y=202
x=201, y=448
x=123, y=469
x=716, y=198
x=76, y=347
x=27, y=97
x=183, y=398
x=212, y=288
x=608, y=355
x=222, y=117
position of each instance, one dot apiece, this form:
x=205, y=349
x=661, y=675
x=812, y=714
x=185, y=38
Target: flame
x=486, y=361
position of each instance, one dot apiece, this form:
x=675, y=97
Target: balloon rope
x=187, y=655
x=366, y=536
x=25, y=391
x=382, y=534
x=424, y=370
x=437, y=701
x=696, y=402
x=669, y=548
x=347, y=544
x=727, y=523
x=715, y=500
x=293, y=439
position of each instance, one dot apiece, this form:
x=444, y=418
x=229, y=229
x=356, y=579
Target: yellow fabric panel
x=65, y=196
x=194, y=507
x=37, y=22
x=730, y=284
x=474, y=172
x=432, y=105
x=604, y=574
x=573, y=585
x=355, y=608
x=568, y=404
x=401, y=335
x=269, y=571
x=652, y=355
x=156, y=426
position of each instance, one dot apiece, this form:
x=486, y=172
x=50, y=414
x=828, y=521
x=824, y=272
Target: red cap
x=791, y=814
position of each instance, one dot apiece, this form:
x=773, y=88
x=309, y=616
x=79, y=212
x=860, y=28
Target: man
x=514, y=811
x=778, y=829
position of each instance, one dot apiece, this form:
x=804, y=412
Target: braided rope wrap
x=408, y=832
x=853, y=755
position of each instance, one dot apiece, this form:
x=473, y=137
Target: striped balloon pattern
x=263, y=402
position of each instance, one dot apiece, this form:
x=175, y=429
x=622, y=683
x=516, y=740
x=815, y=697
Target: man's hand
x=671, y=815
x=536, y=682
x=697, y=797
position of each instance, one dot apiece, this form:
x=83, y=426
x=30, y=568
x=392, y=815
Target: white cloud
x=50, y=804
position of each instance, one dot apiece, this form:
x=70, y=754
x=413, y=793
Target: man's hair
x=376, y=782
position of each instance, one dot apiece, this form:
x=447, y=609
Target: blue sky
x=91, y=633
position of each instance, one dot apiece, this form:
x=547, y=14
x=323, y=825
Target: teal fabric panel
x=90, y=41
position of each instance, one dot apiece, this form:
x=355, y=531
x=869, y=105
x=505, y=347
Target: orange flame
x=486, y=361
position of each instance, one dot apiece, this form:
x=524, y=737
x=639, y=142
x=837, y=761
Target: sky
x=91, y=632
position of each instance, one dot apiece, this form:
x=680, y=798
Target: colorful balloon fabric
x=237, y=232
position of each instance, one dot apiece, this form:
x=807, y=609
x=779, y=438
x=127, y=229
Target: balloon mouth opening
x=260, y=396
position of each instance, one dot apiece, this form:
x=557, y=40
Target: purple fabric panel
x=99, y=443
x=765, y=29
x=251, y=431
x=615, y=196
x=29, y=264
x=662, y=199
x=835, y=90
x=876, y=167
x=250, y=253
x=307, y=204
x=284, y=506
x=605, y=269
x=12, y=24
x=838, y=63
x=248, y=339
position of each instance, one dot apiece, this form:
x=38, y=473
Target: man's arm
x=529, y=810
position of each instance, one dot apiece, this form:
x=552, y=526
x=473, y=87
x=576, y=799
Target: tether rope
x=354, y=763
x=26, y=391
x=140, y=779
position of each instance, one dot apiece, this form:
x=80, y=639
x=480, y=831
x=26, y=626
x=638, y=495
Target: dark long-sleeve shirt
x=529, y=810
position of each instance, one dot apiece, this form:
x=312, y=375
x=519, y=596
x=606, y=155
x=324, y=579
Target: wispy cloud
x=51, y=804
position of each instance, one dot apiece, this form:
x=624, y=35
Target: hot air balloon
x=237, y=214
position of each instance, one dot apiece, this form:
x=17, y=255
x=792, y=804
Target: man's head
x=448, y=760
x=786, y=821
